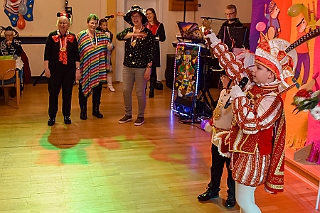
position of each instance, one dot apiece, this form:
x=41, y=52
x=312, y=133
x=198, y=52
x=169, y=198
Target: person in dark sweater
x=62, y=67
x=232, y=32
x=158, y=31
x=10, y=45
x=138, y=59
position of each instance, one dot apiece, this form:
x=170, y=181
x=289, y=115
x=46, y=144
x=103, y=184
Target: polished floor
x=99, y=165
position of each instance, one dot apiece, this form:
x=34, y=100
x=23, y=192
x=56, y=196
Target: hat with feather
x=276, y=55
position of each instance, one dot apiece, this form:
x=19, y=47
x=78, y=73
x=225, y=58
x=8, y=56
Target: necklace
x=63, y=48
x=63, y=44
x=94, y=40
x=134, y=40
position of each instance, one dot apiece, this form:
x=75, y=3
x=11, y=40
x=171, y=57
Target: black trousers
x=216, y=172
x=96, y=95
x=60, y=78
x=153, y=77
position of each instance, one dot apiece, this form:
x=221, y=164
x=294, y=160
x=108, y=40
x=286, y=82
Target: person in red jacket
x=256, y=139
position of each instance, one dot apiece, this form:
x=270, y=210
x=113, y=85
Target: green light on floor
x=70, y=153
x=74, y=155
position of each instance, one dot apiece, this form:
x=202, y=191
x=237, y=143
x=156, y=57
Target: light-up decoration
x=19, y=11
x=186, y=76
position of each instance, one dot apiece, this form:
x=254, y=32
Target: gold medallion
x=62, y=49
x=217, y=113
x=133, y=43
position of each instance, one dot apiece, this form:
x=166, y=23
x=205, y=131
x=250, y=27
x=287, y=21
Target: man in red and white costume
x=257, y=136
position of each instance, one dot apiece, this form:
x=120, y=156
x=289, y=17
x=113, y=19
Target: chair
x=9, y=77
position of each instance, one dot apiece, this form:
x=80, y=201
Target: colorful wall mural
x=290, y=20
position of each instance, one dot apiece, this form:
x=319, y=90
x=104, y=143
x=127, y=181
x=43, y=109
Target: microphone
x=108, y=17
x=207, y=17
x=242, y=84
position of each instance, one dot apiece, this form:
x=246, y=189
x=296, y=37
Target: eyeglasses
x=135, y=16
x=229, y=14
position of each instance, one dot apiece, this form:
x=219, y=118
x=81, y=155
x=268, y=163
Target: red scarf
x=63, y=40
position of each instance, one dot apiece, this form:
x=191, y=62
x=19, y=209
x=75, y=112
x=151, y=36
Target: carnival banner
x=291, y=20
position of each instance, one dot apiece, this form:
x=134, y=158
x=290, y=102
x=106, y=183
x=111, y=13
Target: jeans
x=131, y=75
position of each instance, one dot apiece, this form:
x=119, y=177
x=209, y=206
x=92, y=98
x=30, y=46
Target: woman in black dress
x=157, y=30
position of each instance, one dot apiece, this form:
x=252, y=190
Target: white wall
x=45, y=18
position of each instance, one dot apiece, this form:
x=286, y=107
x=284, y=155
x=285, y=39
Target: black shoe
x=230, y=202
x=67, y=119
x=125, y=119
x=159, y=85
x=83, y=112
x=51, y=121
x=151, y=93
x=96, y=112
x=139, y=121
x=207, y=195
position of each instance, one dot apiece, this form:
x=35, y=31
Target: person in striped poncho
x=94, y=65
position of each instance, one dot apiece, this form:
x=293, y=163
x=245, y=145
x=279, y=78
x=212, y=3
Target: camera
x=68, y=10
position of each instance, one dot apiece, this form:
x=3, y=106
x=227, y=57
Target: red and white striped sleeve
x=254, y=117
x=228, y=61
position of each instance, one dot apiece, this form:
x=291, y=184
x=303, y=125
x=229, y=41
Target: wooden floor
x=99, y=165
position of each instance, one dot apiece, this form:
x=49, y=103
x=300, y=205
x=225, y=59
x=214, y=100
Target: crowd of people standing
x=86, y=58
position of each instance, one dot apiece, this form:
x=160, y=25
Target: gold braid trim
x=273, y=186
x=277, y=171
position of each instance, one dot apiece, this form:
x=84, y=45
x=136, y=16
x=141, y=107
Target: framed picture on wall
x=178, y=5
